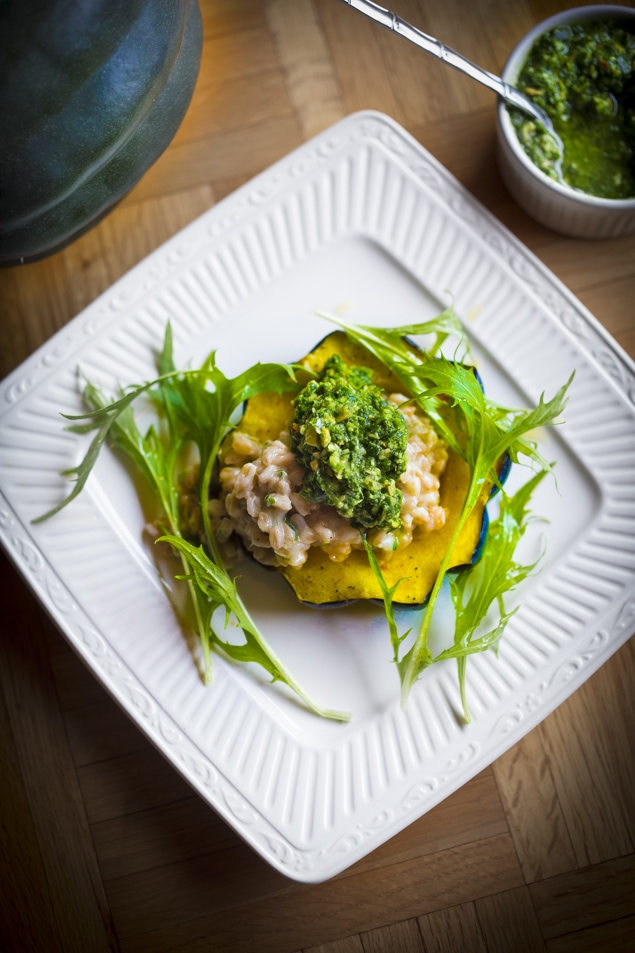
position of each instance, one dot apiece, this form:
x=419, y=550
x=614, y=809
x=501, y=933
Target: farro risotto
x=261, y=498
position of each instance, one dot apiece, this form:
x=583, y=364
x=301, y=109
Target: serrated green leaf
x=486, y=433
x=220, y=589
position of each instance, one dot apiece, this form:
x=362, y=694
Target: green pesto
x=583, y=76
x=352, y=444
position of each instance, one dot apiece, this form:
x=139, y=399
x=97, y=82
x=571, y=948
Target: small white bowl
x=556, y=205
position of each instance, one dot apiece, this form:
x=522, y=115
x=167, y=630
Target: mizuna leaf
x=195, y=407
x=494, y=576
x=220, y=590
x=487, y=432
x=388, y=593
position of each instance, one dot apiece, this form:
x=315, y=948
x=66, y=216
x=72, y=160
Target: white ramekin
x=557, y=206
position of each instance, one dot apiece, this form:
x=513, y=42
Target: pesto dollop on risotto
x=352, y=443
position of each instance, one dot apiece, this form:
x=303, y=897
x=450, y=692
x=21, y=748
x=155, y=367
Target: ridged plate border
x=310, y=807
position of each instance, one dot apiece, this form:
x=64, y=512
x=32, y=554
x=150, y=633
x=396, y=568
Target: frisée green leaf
x=495, y=575
x=220, y=591
x=195, y=408
x=488, y=432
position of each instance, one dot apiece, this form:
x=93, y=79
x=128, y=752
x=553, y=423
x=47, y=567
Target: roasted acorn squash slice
x=322, y=582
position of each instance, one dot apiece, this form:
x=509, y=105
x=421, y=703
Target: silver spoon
x=428, y=43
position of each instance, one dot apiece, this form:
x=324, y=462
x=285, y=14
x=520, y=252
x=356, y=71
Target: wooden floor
x=103, y=846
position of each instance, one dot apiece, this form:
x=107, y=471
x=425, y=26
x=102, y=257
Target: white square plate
x=360, y=218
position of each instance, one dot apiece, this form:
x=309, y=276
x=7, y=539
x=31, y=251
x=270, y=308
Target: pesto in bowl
x=583, y=75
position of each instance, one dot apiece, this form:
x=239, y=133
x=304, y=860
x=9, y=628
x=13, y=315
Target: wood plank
x=224, y=187
x=506, y=23
x=15, y=334
x=349, y=944
x=221, y=106
x=469, y=30
x=616, y=936
x=28, y=916
x=224, y=882
x=613, y=264
x=620, y=320
x=453, y=928
x=426, y=88
x=304, y=56
x=76, y=686
x=245, y=50
x=536, y=820
x=151, y=836
x=129, y=783
x=471, y=813
x=239, y=152
x=41, y=762
x=89, y=271
x=613, y=687
x=508, y=921
x=541, y=9
x=421, y=85
x=585, y=898
x=40, y=302
x=141, y=227
x=596, y=793
x=362, y=73
x=226, y=16
x=265, y=911
x=156, y=836
x=101, y=731
x=401, y=937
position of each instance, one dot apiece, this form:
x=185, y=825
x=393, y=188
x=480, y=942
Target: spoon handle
x=431, y=45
